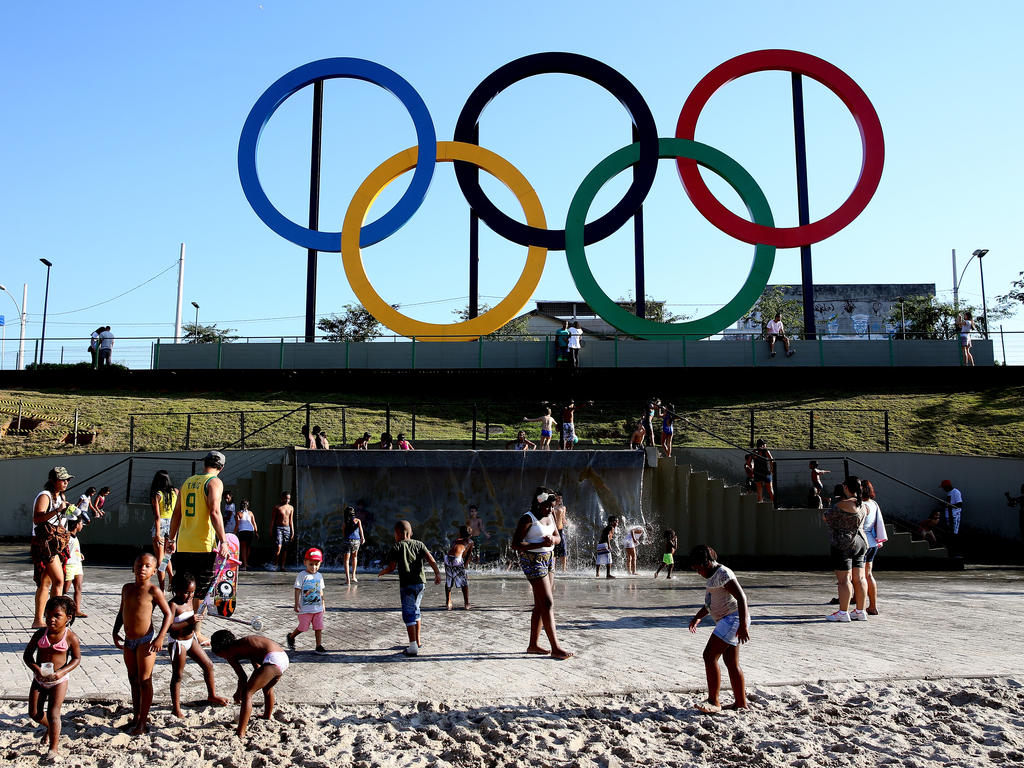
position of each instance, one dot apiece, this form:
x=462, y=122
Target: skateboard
x=225, y=581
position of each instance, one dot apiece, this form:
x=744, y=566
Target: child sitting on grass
x=269, y=662
x=51, y=654
x=184, y=643
x=407, y=555
x=726, y=602
x=141, y=642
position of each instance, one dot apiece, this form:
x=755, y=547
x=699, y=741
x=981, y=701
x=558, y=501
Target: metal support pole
x=1002, y=339
x=21, y=405
x=487, y=425
x=414, y=422
x=128, y=484
x=810, y=430
x=638, y=250
x=74, y=440
x=344, y=427
x=984, y=303
x=241, y=429
x=387, y=418
x=314, y=206
x=751, y=427
x=474, y=244
x=188, y=431
x=806, y=277
x=474, y=426
x=131, y=434
x=887, y=431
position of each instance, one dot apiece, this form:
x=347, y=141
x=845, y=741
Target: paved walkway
x=629, y=635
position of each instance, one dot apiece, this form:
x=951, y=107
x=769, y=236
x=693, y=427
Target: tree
x=774, y=301
x=514, y=330
x=653, y=310
x=1016, y=294
x=356, y=324
x=928, y=318
x=207, y=334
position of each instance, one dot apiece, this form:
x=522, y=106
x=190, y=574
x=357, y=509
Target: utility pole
x=181, y=286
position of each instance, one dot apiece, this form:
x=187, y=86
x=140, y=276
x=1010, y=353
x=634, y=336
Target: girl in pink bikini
x=52, y=654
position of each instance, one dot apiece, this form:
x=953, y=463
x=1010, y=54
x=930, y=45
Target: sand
x=915, y=723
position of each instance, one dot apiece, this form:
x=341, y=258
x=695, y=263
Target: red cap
x=313, y=554
x=945, y=484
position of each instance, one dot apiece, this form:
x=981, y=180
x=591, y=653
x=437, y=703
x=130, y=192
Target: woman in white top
x=245, y=530
x=535, y=539
x=874, y=532
x=966, y=325
x=49, y=540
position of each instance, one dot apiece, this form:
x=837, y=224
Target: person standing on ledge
x=575, y=344
x=106, y=347
x=196, y=534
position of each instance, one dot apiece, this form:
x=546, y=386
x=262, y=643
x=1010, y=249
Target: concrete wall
x=129, y=517
x=597, y=353
x=982, y=480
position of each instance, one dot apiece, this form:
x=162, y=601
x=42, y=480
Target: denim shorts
x=727, y=627
x=411, y=597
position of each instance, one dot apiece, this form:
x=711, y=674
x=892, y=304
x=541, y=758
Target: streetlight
x=195, y=328
x=24, y=320
x=46, y=301
x=984, y=305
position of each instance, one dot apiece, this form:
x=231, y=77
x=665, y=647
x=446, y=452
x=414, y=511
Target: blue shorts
x=545, y=433
x=728, y=626
x=411, y=597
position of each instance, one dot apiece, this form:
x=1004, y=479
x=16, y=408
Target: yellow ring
x=490, y=321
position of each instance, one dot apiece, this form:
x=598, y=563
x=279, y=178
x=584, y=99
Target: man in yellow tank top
x=197, y=526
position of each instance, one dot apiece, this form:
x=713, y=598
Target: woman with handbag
x=50, y=540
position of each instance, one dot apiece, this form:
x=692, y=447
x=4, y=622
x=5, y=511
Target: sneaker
x=291, y=641
x=838, y=616
x=412, y=650
x=320, y=650
x=856, y=615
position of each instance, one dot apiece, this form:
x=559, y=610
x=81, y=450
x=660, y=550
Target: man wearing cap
x=951, y=516
x=197, y=527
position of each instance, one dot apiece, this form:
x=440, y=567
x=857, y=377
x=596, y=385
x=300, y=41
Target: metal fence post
x=156, y=355
x=413, y=354
x=241, y=428
x=308, y=416
x=344, y=435
x=474, y=426
x=128, y=485
x=414, y=422
x=487, y=424
x=387, y=418
x=220, y=347
x=131, y=434
x=74, y=440
x=810, y=425
x=846, y=468
x=751, y=427
x=188, y=431
x=886, y=431
x=21, y=406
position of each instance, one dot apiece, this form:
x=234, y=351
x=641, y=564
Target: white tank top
x=536, y=533
x=56, y=519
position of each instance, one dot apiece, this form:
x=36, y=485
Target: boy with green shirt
x=407, y=556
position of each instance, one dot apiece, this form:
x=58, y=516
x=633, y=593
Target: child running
x=668, y=555
x=141, y=642
x=407, y=555
x=725, y=600
x=309, y=600
x=269, y=662
x=52, y=654
x=183, y=643
x=455, y=567
x=603, y=552
x=73, y=567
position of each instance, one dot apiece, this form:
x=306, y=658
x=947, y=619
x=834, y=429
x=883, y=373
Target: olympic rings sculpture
x=643, y=154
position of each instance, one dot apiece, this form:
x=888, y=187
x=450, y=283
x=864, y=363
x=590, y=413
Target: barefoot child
x=668, y=557
x=73, y=567
x=309, y=600
x=603, y=552
x=141, y=642
x=183, y=643
x=727, y=604
x=51, y=654
x=547, y=428
x=407, y=556
x=269, y=662
x=455, y=567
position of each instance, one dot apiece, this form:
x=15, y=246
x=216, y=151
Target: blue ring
x=300, y=77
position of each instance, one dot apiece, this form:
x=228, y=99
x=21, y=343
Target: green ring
x=575, y=253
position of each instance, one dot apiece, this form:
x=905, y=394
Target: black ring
x=569, y=64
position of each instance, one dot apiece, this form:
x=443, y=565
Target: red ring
x=833, y=78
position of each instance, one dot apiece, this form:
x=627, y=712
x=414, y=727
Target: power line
x=107, y=301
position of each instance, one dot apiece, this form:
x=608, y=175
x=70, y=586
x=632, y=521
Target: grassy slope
x=986, y=422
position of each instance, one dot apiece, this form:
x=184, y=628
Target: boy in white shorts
x=727, y=604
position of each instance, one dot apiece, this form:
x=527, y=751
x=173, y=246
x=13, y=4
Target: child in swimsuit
x=141, y=642
x=51, y=654
x=603, y=553
x=183, y=643
x=73, y=572
x=521, y=443
x=547, y=428
x=269, y=662
x=668, y=417
x=668, y=557
x=455, y=567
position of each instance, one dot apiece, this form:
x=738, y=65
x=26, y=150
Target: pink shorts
x=314, y=619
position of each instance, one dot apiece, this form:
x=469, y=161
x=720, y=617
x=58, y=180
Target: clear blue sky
x=121, y=125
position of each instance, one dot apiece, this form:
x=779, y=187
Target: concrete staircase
x=704, y=509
